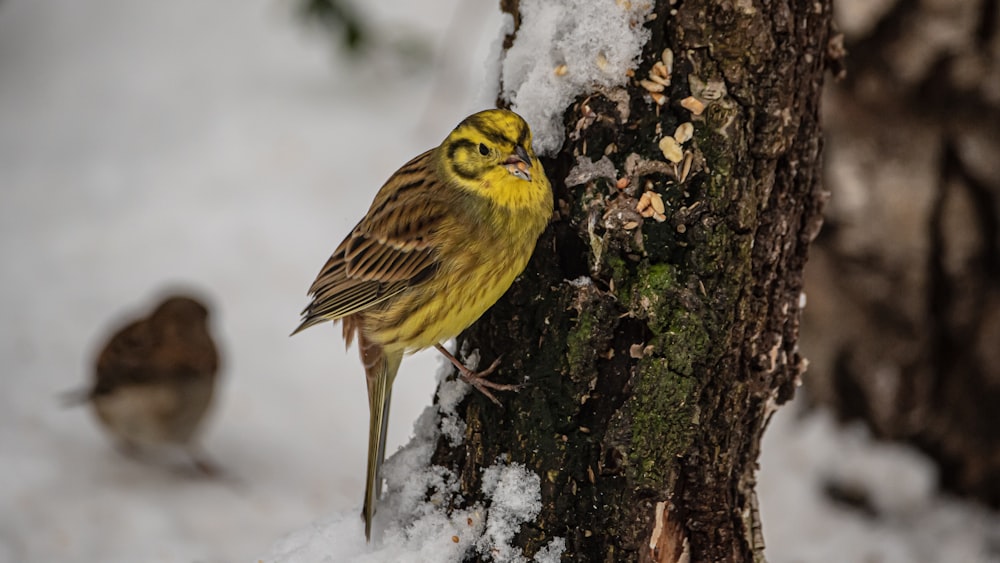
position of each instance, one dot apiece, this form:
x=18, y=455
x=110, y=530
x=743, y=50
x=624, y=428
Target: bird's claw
x=483, y=385
x=478, y=379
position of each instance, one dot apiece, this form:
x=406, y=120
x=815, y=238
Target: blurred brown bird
x=155, y=378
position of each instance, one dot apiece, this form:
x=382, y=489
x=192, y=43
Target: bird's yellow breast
x=474, y=274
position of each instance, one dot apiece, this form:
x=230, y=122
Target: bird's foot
x=479, y=379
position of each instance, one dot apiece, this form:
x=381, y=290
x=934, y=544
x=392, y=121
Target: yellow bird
x=443, y=240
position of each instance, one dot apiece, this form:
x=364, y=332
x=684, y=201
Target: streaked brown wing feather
x=391, y=249
x=124, y=359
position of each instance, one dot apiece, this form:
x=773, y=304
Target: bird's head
x=490, y=153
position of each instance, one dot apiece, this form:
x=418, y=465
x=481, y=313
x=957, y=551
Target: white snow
x=217, y=145
x=515, y=493
x=597, y=41
x=915, y=524
x=406, y=527
x=414, y=523
x=450, y=393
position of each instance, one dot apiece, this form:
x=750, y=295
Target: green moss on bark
x=661, y=411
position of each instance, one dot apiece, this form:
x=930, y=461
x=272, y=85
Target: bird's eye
x=483, y=149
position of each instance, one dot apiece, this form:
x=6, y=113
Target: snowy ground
x=218, y=146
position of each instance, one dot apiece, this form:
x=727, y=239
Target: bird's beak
x=519, y=163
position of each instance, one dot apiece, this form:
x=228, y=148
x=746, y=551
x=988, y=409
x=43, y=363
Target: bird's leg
x=203, y=467
x=478, y=379
x=202, y=463
x=130, y=450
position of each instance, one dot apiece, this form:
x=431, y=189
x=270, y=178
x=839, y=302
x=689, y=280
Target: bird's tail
x=380, y=370
x=75, y=397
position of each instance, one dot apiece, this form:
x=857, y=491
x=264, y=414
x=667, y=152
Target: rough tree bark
x=649, y=386
x=909, y=262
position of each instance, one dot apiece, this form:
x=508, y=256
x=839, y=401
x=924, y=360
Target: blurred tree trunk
x=903, y=322
x=650, y=379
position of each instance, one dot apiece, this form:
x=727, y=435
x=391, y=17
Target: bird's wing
x=125, y=359
x=391, y=249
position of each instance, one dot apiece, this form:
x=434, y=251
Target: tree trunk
x=650, y=378
x=904, y=315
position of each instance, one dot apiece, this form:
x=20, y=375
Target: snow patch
x=913, y=524
x=415, y=521
x=515, y=494
x=449, y=394
x=596, y=41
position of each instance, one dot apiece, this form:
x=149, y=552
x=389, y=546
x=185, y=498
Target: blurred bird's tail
x=75, y=397
x=380, y=370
